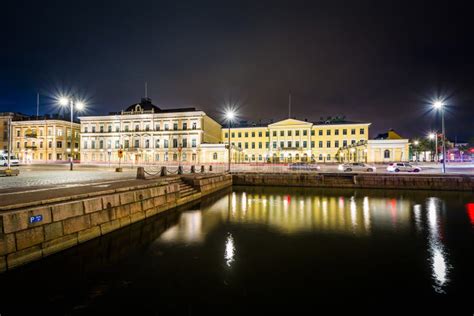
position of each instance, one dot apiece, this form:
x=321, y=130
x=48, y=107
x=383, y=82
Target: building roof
x=146, y=106
x=390, y=134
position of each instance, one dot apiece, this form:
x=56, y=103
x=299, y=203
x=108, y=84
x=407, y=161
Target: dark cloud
x=376, y=61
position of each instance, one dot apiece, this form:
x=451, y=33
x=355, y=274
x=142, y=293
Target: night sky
x=372, y=61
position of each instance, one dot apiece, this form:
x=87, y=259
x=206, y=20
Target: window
x=59, y=144
x=267, y=145
x=386, y=154
x=336, y=132
x=259, y=144
x=246, y=145
x=102, y=128
x=193, y=143
x=175, y=143
x=320, y=156
x=289, y=133
x=41, y=144
x=320, y=144
x=246, y=134
x=312, y=132
x=305, y=133
x=126, y=128
x=239, y=134
x=274, y=133
x=240, y=145
x=232, y=134
x=60, y=132
x=336, y=144
x=328, y=157
x=157, y=157
x=165, y=145
x=253, y=134
x=253, y=145
x=147, y=127
x=274, y=145
x=185, y=126
x=117, y=128
x=259, y=157
x=18, y=145
x=312, y=144
x=157, y=143
x=267, y=134
x=137, y=143
x=344, y=143
x=109, y=144
x=194, y=125
x=353, y=131
x=259, y=134
x=362, y=131
x=305, y=144
x=167, y=127
x=175, y=126
x=127, y=143
x=137, y=128
x=297, y=144
x=175, y=157
x=226, y=135
x=93, y=129
x=50, y=144
x=320, y=132
x=289, y=144
x=214, y=156
x=101, y=144
x=297, y=133
x=353, y=141
x=328, y=144
x=282, y=133
x=253, y=157
x=18, y=133
x=282, y=144
x=328, y=132
x=117, y=144
x=344, y=132
x=157, y=127
x=147, y=143
x=185, y=142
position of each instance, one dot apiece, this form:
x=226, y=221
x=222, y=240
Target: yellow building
x=44, y=140
x=292, y=140
x=384, y=148
x=4, y=119
x=150, y=135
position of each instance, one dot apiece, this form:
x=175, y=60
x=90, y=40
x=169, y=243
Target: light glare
x=63, y=101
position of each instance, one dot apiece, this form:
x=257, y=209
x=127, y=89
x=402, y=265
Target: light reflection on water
x=298, y=213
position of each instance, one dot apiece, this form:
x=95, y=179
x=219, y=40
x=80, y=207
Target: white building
x=148, y=134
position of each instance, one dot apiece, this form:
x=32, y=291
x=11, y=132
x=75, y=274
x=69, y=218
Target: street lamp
x=434, y=136
x=229, y=115
x=416, y=143
x=439, y=106
x=64, y=101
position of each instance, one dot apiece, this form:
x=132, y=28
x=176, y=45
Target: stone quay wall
x=363, y=181
x=31, y=232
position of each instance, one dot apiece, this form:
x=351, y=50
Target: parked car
x=304, y=166
x=402, y=166
x=356, y=166
x=4, y=160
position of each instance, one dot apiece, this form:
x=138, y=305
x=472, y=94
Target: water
x=270, y=248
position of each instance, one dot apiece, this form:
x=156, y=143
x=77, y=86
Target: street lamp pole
x=72, y=137
x=229, y=147
x=444, y=140
x=64, y=101
x=230, y=114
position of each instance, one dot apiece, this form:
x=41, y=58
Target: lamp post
x=64, y=101
x=230, y=115
x=434, y=136
x=439, y=105
x=415, y=144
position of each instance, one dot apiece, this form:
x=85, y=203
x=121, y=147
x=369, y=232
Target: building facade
x=293, y=140
x=148, y=135
x=384, y=148
x=5, y=117
x=45, y=140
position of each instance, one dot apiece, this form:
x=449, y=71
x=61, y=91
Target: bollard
x=180, y=169
x=193, y=169
x=140, y=173
x=202, y=169
x=163, y=171
x=210, y=168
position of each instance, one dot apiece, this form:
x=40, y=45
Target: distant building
x=384, y=148
x=4, y=118
x=47, y=139
x=292, y=140
x=151, y=135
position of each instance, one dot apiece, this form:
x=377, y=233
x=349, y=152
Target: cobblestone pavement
x=53, y=176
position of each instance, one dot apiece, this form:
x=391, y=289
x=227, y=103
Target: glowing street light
x=230, y=116
x=79, y=105
x=439, y=106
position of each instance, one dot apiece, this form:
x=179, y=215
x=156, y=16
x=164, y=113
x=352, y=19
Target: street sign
x=120, y=153
x=36, y=219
